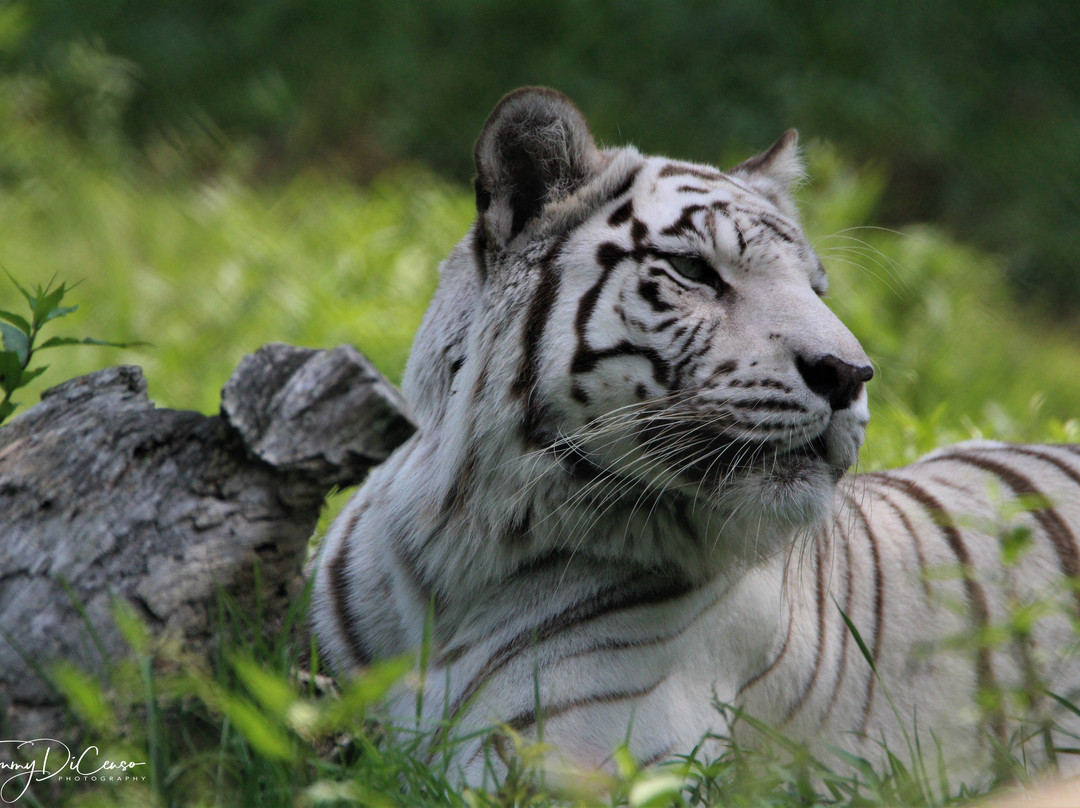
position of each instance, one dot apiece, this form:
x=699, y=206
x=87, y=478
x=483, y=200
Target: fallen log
x=103, y=496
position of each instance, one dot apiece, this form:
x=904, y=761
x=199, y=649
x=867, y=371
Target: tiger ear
x=534, y=149
x=773, y=172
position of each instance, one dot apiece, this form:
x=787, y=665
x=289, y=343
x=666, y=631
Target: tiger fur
x=626, y=501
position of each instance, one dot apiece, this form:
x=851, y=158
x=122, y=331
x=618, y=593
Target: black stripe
x=692, y=337
x=757, y=677
x=457, y=496
x=527, y=719
x=608, y=255
x=622, y=644
x=849, y=599
x=339, y=588
x=480, y=238
x=517, y=532
x=587, y=360
x=819, y=652
x=1060, y=465
x=916, y=542
x=663, y=325
x=965, y=491
x=650, y=293
x=765, y=404
x=650, y=589
x=623, y=186
x=524, y=386
x=1052, y=524
x=681, y=169
x=976, y=597
x=723, y=209
x=407, y=559
x=684, y=223
x=879, y=608
x=771, y=223
x=670, y=276
x=678, y=372
x=657, y=756
x=621, y=214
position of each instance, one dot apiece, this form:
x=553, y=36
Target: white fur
x=764, y=554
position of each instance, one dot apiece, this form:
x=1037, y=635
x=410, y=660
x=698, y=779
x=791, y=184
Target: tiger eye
x=692, y=268
x=697, y=269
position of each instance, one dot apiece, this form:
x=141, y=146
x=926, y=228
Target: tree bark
x=104, y=496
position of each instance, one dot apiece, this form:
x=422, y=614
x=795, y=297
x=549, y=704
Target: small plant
x=20, y=336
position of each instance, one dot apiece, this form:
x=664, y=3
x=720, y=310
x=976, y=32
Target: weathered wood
x=102, y=495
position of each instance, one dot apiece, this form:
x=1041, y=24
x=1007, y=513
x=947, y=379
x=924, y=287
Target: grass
x=208, y=270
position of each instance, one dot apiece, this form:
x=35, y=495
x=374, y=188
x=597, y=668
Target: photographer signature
x=57, y=760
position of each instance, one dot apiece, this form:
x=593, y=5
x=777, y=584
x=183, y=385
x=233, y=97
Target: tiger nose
x=834, y=379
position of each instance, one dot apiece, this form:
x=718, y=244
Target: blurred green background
x=224, y=173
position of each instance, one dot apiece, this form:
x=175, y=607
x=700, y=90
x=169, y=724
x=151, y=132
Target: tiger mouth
x=716, y=460
x=749, y=455
x=726, y=458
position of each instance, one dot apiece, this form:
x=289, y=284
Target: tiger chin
x=627, y=499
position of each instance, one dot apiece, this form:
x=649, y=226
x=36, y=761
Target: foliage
x=20, y=337
x=971, y=108
x=210, y=271
x=251, y=729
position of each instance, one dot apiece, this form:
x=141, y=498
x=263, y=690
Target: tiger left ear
x=534, y=149
x=773, y=172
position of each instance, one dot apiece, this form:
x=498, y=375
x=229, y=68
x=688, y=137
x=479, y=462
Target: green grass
x=211, y=271
x=208, y=270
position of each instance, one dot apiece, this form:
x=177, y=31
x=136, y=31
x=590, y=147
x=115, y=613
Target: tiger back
x=626, y=503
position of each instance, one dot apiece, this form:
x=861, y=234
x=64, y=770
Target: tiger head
x=652, y=323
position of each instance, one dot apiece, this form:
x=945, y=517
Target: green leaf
x=47, y=303
x=366, y=689
x=272, y=692
x=57, y=313
x=17, y=321
x=131, y=626
x=29, y=375
x=11, y=371
x=15, y=341
x=657, y=789
x=263, y=735
x=1014, y=544
x=55, y=342
x=85, y=696
x=1068, y=705
x=858, y=638
x=6, y=408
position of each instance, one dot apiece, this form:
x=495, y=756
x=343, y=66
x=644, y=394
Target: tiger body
x=626, y=501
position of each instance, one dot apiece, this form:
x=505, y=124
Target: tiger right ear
x=773, y=172
x=534, y=149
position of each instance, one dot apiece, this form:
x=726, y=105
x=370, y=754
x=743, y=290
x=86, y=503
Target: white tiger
x=626, y=499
